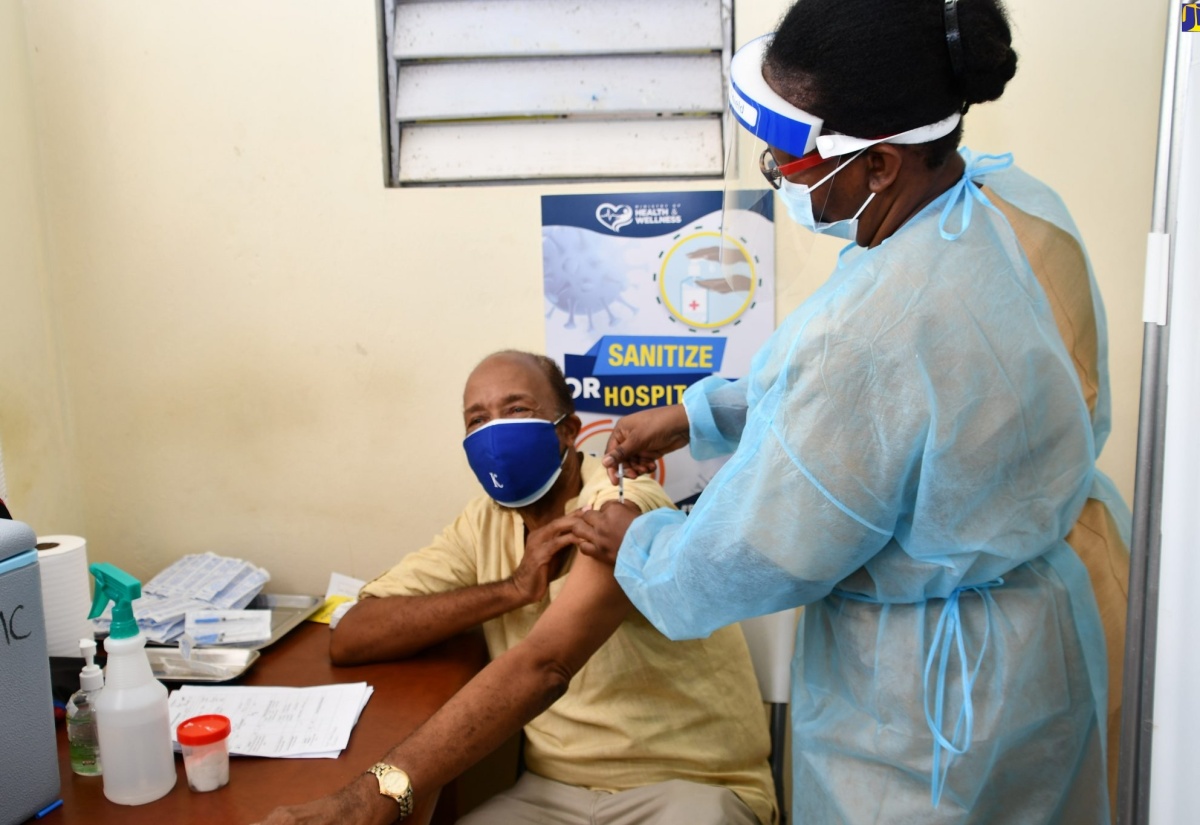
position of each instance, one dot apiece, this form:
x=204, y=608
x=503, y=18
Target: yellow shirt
x=643, y=709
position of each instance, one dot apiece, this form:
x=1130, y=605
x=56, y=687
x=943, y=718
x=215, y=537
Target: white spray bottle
x=131, y=711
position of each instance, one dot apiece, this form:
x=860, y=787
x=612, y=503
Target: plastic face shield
x=779, y=124
x=768, y=121
x=759, y=108
x=757, y=118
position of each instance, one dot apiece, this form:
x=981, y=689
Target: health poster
x=646, y=294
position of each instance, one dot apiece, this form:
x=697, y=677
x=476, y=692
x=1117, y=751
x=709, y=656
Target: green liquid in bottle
x=83, y=742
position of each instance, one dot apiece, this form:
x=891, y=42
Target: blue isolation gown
x=909, y=452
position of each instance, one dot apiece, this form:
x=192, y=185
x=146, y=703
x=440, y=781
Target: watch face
x=394, y=783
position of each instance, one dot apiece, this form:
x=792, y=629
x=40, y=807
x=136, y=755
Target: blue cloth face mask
x=516, y=460
x=798, y=199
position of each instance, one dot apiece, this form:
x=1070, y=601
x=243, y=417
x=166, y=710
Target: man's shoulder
x=478, y=508
x=644, y=491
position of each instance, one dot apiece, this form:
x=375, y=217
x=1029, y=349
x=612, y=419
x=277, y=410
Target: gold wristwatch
x=394, y=782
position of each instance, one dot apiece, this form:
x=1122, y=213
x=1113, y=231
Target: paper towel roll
x=66, y=595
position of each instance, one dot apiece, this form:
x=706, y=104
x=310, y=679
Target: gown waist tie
x=947, y=640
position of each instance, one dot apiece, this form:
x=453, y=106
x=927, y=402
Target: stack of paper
x=204, y=581
x=295, y=723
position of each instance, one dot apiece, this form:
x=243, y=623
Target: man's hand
x=543, y=560
x=639, y=440
x=600, y=532
x=359, y=803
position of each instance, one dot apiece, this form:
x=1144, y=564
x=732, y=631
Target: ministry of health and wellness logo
x=1191, y=17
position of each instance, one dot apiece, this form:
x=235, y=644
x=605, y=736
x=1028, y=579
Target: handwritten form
x=295, y=723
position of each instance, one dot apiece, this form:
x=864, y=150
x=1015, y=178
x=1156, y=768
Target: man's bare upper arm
x=585, y=614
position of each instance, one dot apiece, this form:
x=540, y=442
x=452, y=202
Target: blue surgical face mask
x=798, y=199
x=517, y=460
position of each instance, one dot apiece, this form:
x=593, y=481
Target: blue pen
x=208, y=619
x=55, y=804
x=210, y=639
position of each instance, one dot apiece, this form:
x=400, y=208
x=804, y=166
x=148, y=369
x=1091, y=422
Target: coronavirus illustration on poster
x=648, y=293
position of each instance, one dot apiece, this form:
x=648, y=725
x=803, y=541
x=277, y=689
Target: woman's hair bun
x=989, y=61
x=879, y=67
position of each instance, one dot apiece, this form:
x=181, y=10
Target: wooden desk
x=406, y=694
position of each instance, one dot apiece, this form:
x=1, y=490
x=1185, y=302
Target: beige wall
x=34, y=425
x=262, y=347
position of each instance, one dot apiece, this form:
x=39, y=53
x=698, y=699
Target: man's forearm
x=395, y=627
x=508, y=693
x=518, y=685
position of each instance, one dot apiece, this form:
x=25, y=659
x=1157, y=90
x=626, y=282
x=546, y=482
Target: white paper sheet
x=342, y=585
x=295, y=723
x=340, y=596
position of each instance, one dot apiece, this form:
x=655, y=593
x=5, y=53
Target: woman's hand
x=600, y=532
x=639, y=440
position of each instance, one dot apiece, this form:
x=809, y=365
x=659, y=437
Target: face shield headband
x=778, y=123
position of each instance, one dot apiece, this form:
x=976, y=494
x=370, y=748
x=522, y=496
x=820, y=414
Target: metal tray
x=208, y=664
x=287, y=611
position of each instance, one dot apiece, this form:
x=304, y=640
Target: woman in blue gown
x=912, y=448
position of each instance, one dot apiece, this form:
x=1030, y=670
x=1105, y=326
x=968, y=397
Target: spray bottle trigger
x=115, y=585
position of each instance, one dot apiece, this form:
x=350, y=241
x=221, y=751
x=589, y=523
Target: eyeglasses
x=774, y=173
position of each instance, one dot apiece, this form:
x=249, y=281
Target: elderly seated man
x=621, y=724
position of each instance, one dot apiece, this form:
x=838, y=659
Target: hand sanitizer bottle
x=81, y=715
x=131, y=712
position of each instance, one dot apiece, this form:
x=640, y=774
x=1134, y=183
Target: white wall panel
x=1175, y=756
x=494, y=88
x=560, y=149
x=497, y=28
